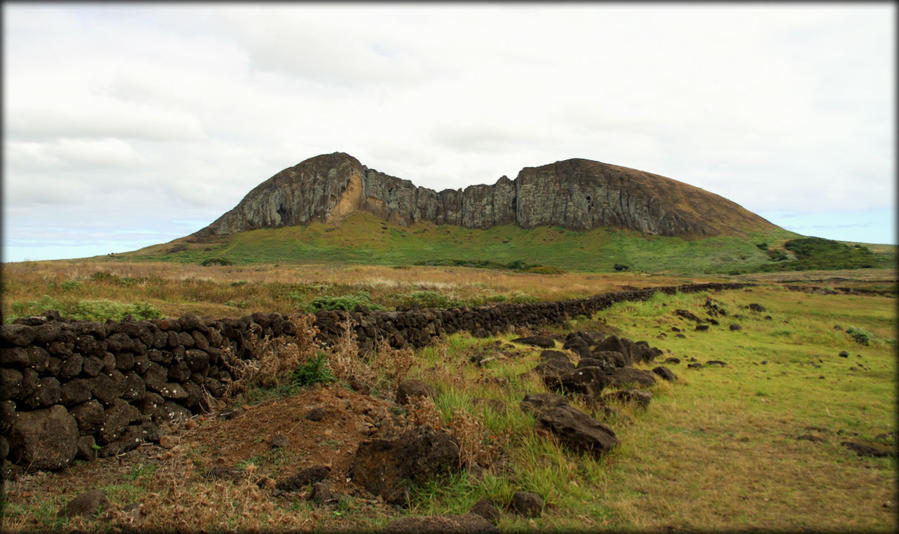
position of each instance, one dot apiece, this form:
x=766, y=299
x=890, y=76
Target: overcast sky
x=127, y=125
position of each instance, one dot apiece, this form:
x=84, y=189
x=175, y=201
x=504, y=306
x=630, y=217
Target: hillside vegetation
x=363, y=238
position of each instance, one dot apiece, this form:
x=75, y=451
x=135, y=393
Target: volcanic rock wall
x=578, y=194
x=78, y=389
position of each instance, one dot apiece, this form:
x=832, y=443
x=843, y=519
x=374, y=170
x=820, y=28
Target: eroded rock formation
x=577, y=194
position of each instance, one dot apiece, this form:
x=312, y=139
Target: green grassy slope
x=364, y=238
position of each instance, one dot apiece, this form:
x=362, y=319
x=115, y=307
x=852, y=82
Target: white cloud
x=185, y=108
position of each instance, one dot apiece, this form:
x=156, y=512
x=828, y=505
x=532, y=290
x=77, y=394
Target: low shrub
x=344, y=302
x=216, y=261
x=428, y=299
x=860, y=335
x=313, y=371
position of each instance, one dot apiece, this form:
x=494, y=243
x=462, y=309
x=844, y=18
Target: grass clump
x=344, y=302
x=860, y=335
x=314, y=371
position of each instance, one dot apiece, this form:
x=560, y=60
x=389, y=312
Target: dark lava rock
x=866, y=450
x=735, y=326
x=630, y=375
x=303, y=478
x=695, y=365
x=90, y=504
x=279, y=441
x=316, y=414
x=809, y=437
x=487, y=509
x=702, y=327
x=433, y=524
x=537, y=341
x=636, y=396
x=665, y=373
x=322, y=492
x=687, y=315
x=537, y=402
x=716, y=362
x=407, y=390
x=756, y=307
x=672, y=360
x=844, y=354
x=388, y=467
x=588, y=381
x=577, y=430
x=44, y=439
x=527, y=504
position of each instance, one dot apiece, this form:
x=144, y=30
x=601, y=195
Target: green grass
x=363, y=238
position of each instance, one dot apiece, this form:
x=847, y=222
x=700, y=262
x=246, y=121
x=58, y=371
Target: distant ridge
x=578, y=194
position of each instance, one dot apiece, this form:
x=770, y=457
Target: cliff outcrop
x=577, y=194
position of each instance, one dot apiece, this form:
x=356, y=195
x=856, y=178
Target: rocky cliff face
x=577, y=194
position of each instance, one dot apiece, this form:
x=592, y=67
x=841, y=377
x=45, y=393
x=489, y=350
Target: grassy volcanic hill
x=571, y=215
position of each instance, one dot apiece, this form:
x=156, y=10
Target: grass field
x=363, y=238
x=717, y=450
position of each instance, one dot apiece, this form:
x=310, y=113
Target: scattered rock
x=809, y=437
x=672, y=360
x=487, y=509
x=694, y=365
x=322, y=492
x=279, y=441
x=413, y=388
x=735, y=326
x=388, y=467
x=537, y=341
x=844, y=354
x=316, y=414
x=756, y=307
x=702, y=327
x=716, y=362
x=91, y=504
x=577, y=430
x=630, y=375
x=537, y=402
x=636, y=396
x=433, y=524
x=687, y=315
x=44, y=439
x=866, y=450
x=665, y=373
x=527, y=504
x=303, y=478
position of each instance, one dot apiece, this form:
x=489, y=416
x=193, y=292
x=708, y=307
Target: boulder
x=537, y=341
x=526, y=503
x=487, y=509
x=91, y=503
x=665, y=373
x=534, y=403
x=44, y=439
x=303, y=478
x=634, y=396
x=407, y=390
x=629, y=375
x=388, y=467
x=577, y=430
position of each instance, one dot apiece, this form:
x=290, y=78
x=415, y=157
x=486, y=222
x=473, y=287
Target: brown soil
x=178, y=483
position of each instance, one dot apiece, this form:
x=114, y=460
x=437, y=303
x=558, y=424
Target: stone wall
x=74, y=389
